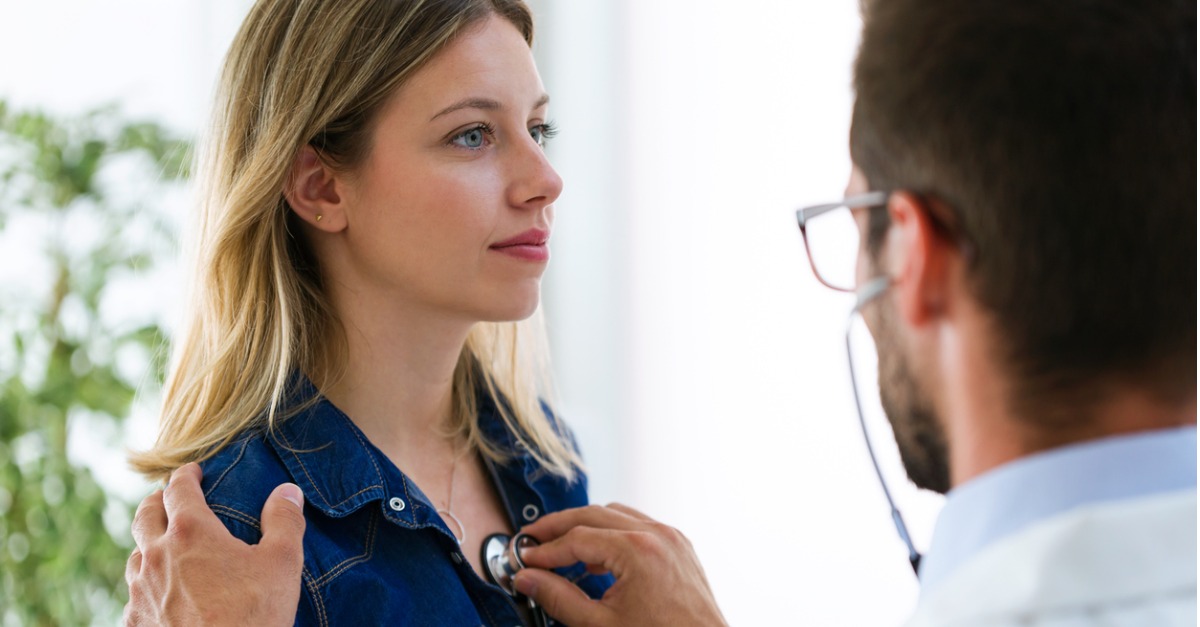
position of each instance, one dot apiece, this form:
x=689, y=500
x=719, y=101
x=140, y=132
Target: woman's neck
x=398, y=378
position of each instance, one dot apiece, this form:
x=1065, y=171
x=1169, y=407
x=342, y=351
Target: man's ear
x=313, y=191
x=920, y=257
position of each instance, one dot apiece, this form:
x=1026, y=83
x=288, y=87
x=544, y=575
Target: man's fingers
x=554, y=525
x=188, y=473
x=561, y=599
x=599, y=549
x=629, y=511
x=283, y=525
x=183, y=494
x=150, y=521
x=133, y=566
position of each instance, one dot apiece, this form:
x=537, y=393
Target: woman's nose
x=535, y=183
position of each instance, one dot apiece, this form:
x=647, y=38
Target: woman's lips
x=529, y=246
x=527, y=252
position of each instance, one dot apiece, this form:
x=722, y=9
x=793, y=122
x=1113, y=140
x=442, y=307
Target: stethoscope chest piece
x=502, y=560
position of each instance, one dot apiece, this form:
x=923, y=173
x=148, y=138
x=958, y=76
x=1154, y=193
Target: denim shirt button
x=530, y=512
x=457, y=557
x=396, y=503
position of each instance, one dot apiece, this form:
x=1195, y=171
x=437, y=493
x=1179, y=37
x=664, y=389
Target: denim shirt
x=375, y=550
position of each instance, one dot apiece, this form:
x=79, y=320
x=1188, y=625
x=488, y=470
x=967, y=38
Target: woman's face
x=451, y=209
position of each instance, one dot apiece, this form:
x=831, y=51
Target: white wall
x=699, y=358
x=158, y=59
x=699, y=361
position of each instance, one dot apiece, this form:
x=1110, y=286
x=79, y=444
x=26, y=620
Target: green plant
x=79, y=212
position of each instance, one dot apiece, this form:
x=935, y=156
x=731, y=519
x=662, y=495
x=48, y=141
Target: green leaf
x=59, y=565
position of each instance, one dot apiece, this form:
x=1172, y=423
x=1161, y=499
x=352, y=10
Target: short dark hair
x=1062, y=136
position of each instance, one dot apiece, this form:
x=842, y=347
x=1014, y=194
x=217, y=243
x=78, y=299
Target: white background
x=700, y=363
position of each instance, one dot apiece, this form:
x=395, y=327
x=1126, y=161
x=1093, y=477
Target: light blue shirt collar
x=1028, y=490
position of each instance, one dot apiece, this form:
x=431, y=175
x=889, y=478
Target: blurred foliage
x=65, y=196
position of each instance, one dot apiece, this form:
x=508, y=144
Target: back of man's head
x=1062, y=135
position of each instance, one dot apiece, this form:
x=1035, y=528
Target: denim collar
x=340, y=470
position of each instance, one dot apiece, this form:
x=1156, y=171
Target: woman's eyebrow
x=486, y=104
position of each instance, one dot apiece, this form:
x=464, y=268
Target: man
x=1025, y=191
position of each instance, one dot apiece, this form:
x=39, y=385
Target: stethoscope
x=868, y=292
x=502, y=560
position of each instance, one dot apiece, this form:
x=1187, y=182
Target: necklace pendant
x=447, y=517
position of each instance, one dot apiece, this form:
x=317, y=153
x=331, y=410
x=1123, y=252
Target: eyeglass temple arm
x=870, y=199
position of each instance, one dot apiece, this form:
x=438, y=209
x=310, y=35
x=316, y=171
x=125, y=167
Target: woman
x=376, y=212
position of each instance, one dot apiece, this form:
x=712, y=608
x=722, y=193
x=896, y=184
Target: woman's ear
x=313, y=191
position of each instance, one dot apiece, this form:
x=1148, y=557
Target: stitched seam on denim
x=237, y=515
x=366, y=451
x=369, y=550
x=366, y=489
x=237, y=459
x=379, y=474
x=253, y=522
x=408, y=497
x=291, y=449
x=304, y=467
x=316, y=595
x=415, y=506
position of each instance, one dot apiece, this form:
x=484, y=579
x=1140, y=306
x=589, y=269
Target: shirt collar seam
x=326, y=506
x=241, y=453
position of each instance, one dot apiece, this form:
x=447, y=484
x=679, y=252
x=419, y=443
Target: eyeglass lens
x=833, y=242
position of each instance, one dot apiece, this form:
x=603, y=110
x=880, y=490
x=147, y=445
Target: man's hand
x=188, y=569
x=659, y=579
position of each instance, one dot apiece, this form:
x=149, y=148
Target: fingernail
x=291, y=492
x=525, y=584
x=525, y=551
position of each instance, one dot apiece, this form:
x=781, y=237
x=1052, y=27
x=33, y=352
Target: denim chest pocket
x=334, y=545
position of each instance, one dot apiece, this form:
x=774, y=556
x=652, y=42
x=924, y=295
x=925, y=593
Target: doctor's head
x=1039, y=227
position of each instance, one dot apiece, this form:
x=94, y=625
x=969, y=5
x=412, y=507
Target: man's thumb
x=283, y=521
x=560, y=598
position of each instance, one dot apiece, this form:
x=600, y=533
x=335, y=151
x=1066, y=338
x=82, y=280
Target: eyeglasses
x=831, y=238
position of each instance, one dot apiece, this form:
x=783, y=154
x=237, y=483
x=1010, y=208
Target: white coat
x=1129, y=563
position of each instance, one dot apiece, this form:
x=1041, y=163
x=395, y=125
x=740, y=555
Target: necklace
x=447, y=514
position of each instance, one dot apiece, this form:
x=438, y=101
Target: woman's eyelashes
x=483, y=134
x=543, y=133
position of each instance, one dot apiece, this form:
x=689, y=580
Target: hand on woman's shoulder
x=238, y=480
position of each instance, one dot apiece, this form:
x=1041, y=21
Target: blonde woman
x=376, y=212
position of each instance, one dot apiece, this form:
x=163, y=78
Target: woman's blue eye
x=471, y=138
x=542, y=133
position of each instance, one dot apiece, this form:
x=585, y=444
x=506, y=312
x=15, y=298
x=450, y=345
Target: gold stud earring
x=319, y=216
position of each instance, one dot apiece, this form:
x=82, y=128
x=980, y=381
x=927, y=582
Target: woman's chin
x=512, y=307
x=502, y=301
x=514, y=313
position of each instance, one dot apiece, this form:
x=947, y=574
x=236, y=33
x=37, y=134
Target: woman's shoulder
x=239, y=478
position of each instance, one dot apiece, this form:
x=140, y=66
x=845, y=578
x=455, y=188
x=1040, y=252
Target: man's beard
x=919, y=433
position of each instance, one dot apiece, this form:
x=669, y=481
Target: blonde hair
x=316, y=72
